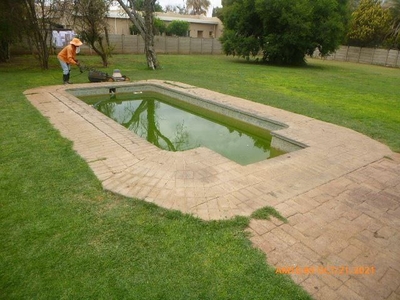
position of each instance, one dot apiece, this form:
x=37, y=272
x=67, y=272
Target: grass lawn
x=365, y=98
x=62, y=236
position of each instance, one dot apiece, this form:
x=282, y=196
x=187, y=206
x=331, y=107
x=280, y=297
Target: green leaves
x=178, y=28
x=283, y=31
x=393, y=39
x=369, y=25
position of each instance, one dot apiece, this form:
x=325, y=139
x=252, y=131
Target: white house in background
x=200, y=26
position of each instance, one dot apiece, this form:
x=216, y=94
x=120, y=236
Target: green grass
x=361, y=97
x=364, y=98
x=266, y=213
x=63, y=237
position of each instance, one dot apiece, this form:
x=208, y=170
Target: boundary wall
x=372, y=56
x=125, y=44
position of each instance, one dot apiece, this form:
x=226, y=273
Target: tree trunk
x=36, y=28
x=99, y=49
x=152, y=61
x=39, y=46
x=146, y=29
x=4, y=51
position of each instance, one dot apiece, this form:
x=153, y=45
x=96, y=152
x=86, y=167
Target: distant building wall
x=119, y=25
x=199, y=26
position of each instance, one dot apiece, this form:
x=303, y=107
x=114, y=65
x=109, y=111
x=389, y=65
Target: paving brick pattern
x=348, y=223
x=341, y=194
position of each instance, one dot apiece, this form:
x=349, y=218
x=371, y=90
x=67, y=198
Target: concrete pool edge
x=270, y=126
x=199, y=181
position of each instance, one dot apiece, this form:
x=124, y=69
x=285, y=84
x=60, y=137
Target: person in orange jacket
x=67, y=57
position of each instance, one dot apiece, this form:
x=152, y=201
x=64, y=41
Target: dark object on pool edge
x=98, y=76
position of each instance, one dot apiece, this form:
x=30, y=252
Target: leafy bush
x=369, y=25
x=178, y=28
x=158, y=29
x=283, y=31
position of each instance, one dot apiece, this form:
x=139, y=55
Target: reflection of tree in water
x=106, y=108
x=181, y=137
x=260, y=144
x=257, y=141
x=143, y=121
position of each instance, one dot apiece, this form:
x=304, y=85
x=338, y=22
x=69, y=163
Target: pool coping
x=199, y=181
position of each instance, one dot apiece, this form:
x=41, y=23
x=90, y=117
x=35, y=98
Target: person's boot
x=66, y=79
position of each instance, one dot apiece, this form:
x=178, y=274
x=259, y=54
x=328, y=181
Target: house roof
x=189, y=18
x=169, y=17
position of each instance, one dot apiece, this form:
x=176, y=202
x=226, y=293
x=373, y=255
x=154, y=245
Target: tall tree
x=393, y=38
x=353, y=4
x=329, y=28
x=197, y=7
x=8, y=30
x=370, y=24
x=139, y=5
x=180, y=9
x=89, y=17
x=145, y=27
x=35, y=21
x=217, y=12
x=282, y=31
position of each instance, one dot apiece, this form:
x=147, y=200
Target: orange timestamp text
x=329, y=270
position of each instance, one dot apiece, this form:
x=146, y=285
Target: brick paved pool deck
x=340, y=194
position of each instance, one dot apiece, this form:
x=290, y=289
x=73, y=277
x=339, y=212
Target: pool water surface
x=177, y=126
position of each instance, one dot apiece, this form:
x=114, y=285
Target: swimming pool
x=174, y=125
